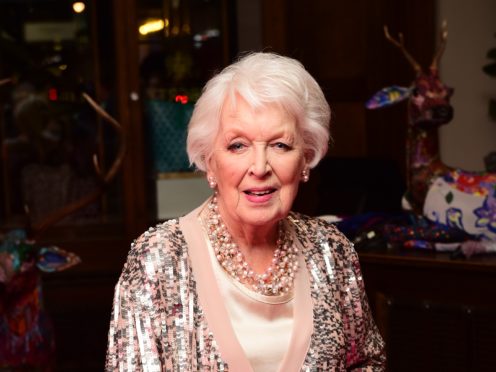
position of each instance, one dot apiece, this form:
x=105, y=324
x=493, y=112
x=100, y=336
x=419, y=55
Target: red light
x=182, y=99
x=52, y=94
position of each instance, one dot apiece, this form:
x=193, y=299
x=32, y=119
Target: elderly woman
x=242, y=283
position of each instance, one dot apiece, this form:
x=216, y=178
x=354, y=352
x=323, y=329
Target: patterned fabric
x=27, y=340
x=464, y=201
x=345, y=336
x=158, y=324
x=388, y=96
x=167, y=123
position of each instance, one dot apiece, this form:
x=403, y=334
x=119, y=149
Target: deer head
x=429, y=98
x=428, y=108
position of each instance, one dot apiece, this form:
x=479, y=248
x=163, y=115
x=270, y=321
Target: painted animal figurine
x=460, y=199
x=26, y=334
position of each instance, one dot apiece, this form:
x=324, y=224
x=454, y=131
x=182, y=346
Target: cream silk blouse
x=262, y=324
x=225, y=309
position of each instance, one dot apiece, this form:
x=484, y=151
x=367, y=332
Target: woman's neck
x=256, y=243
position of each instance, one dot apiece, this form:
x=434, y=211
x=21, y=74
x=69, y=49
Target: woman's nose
x=260, y=166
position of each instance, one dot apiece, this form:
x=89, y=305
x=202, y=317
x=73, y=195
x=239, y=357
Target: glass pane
x=181, y=44
x=180, y=47
x=49, y=56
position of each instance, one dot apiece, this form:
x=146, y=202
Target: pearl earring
x=305, y=175
x=211, y=182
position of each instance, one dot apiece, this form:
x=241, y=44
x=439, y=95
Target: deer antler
x=104, y=179
x=441, y=47
x=401, y=45
x=5, y=81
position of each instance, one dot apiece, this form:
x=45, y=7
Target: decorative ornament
x=276, y=280
x=460, y=200
x=211, y=182
x=305, y=175
x=388, y=96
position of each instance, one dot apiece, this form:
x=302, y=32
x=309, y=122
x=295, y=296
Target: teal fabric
x=167, y=124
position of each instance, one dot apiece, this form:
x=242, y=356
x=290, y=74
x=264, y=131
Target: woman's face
x=257, y=162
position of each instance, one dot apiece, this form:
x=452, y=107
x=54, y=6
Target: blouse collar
x=210, y=300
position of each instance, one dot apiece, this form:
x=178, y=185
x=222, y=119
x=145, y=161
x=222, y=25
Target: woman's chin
x=263, y=212
x=262, y=218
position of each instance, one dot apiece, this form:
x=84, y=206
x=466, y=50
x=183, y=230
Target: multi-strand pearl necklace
x=276, y=280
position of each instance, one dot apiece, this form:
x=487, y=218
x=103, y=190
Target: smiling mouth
x=259, y=193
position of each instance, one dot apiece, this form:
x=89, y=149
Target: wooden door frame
x=129, y=111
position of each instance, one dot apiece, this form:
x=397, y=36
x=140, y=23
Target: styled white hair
x=261, y=79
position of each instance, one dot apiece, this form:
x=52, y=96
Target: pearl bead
x=278, y=277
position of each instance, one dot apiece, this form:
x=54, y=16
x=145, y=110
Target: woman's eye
x=236, y=146
x=281, y=146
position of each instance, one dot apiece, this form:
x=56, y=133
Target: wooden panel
x=483, y=335
x=329, y=37
x=348, y=130
x=80, y=318
x=434, y=312
x=275, y=25
x=426, y=336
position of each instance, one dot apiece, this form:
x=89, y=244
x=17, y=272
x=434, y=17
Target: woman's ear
x=308, y=157
x=209, y=165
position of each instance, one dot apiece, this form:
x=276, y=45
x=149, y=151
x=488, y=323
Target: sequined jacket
x=168, y=313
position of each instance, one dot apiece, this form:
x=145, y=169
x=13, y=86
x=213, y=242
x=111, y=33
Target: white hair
x=261, y=79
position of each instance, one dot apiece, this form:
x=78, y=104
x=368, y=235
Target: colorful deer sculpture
x=26, y=334
x=454, y=197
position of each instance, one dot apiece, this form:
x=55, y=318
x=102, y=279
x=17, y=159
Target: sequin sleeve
x=122, y=351
x=365, y=346
x=133, y=344
x=346, y=337
x=157, y=324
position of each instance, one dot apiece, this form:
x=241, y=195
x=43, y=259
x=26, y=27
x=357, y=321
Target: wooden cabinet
x=435, y=313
